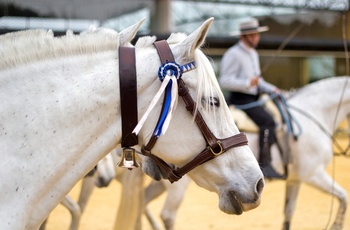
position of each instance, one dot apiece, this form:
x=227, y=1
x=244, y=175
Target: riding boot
x=265, y=157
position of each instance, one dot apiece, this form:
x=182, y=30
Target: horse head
x=234, y=175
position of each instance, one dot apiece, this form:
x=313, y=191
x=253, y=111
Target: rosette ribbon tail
x=169, y=73
x=152, y=104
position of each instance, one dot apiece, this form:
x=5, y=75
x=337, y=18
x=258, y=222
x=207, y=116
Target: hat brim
x=257, y=30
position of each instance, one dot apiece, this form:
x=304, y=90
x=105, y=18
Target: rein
x=215, y=146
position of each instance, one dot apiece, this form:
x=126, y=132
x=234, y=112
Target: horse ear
x=195, y=39
x=126, y=35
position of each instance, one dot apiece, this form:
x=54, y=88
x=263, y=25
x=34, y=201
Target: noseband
x=215, y=146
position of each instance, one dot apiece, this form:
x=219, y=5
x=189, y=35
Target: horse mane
x=41, y=44
x=207, y=86
x=9, y=37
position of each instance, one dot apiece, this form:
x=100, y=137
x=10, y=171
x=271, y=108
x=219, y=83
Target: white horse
x=328, y=102
x=60, y=114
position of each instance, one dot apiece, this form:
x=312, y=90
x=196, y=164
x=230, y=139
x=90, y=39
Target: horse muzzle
x=237, y=203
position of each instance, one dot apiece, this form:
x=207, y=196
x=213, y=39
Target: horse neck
x=327, y=101
x=71, y=115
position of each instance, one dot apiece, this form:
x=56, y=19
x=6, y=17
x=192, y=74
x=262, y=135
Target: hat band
x=250, y=28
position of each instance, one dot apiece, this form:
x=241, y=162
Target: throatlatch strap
x=128, y=95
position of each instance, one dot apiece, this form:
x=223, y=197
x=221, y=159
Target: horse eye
x=212, y=101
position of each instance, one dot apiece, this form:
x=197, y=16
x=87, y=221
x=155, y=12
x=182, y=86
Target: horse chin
x=231, y=205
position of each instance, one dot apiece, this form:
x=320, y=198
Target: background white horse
x=313, y=152
x=60, y=115
x=315, y=106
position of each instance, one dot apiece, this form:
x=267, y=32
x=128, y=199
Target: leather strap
x=190, y=106
x=128, y=95
x=206, y=155
x=164, y=51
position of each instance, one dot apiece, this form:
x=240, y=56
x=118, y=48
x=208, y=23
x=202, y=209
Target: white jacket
x=239, y=64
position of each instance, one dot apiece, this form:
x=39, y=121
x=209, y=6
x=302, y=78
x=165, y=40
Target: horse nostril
x=260, y=186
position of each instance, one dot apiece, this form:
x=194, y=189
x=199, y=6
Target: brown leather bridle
x=215, y=146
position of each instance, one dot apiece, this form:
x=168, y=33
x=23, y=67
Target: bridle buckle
x=217, y=153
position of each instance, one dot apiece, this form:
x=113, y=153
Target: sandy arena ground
x=199, y=209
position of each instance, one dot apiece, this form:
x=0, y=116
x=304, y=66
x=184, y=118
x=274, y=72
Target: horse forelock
x=34, y=45
x=175, y=38
x=208, y=86
x=146, y=41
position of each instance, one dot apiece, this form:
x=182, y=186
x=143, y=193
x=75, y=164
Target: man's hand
x=254, y=81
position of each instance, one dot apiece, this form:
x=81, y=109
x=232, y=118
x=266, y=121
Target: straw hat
x=249, y=27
